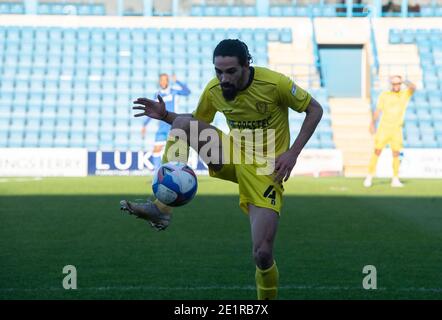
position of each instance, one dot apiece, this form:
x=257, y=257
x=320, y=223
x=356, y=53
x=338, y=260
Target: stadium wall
x=73, y=162
x=43, y=162
x=415, y=163
x=79, y=162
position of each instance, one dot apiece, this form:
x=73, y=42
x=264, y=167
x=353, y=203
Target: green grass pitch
x=330, y=228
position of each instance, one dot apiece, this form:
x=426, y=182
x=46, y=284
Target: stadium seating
x=12, y=8
x=51, y=8
x=323, y=136
x=300, y=10
x=324, y=8
x=231, y=10
x=65, y=8
x=422, y=120
x=73, y=87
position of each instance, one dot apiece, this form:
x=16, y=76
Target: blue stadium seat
x=4, y=122
x=210, y=11
x=91, y=141
x=410, y=115
x=429, y=142
x=273, y=34
x=7, y=85
x=11, y=8
x=439, y=141
x=76, y=140
x=249, y=11
x=286, y=35
x=408, y=37
x=197, y=11
x=4, y=136
x=414, y=141
x=33, y=124
x=313, y=143
x=61, y=139
x=276, y=11
x=236, y=11
x=13, y=35
x=31, y=139
x=15, y=139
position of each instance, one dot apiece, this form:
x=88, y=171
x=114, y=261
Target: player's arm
x=205, y=111
x=410, y=85
x=314, y=113
x=285, y=163
x=377, y=113
x=180, y=88
x=156, y=110
x=292, y=96
x=375, y=116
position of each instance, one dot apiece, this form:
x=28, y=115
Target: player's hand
x=284, y=165
x=151, y=108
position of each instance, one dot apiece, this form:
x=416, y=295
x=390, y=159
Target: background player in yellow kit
x=392, y=105
x=251, y=98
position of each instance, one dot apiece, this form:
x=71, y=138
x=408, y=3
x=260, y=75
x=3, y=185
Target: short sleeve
x=205, y=111
x=292, y=95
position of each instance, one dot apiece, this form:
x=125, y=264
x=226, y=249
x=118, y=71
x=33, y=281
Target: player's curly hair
x=233, y=48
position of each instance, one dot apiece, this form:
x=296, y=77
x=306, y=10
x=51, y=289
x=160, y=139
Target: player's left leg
x=264, y=224
x=396, y=146
x=158, y=148
x=395, y=182
x=155, y=212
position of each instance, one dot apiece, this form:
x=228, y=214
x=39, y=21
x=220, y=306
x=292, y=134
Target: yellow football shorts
x=254, y=188
x=392, y=137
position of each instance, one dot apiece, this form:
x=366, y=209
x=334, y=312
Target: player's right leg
x=157, y=213
x=380, y=141
x=372, y=168
x=264, y=224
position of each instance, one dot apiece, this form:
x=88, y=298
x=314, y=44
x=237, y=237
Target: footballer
x=258, y=100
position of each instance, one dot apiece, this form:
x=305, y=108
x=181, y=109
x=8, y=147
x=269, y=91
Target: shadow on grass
x=321, y=247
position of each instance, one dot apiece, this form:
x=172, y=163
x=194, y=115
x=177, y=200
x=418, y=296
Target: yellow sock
x=396, y=164
x=372, y=164
x=175, y=150
x=267, y=282
x=163, y=207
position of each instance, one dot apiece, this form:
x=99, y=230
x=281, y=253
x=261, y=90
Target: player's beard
x=229, y=91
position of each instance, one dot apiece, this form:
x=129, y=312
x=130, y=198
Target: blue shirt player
x=169, y=95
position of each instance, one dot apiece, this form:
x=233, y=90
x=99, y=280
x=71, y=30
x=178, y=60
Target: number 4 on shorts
x=271, y=194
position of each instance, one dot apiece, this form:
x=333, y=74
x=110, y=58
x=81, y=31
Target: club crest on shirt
x=262, y=107
x=294, y=89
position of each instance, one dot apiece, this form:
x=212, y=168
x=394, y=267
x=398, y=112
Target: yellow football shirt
x=393, y=106
x=262, y=105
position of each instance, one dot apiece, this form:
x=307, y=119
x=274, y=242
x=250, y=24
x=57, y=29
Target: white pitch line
x=206, y=288
x=7, y=180
x=338, y=188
